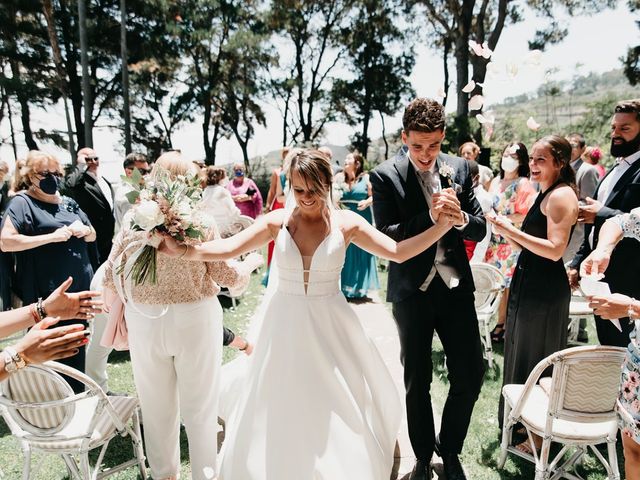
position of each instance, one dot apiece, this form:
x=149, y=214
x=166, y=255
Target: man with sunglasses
x=132, y=162
x=95, y=196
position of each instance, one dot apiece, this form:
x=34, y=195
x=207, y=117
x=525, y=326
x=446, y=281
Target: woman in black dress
x=50, y=236
x=538, y=305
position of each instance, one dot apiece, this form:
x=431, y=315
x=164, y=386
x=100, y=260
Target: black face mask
x=625, y=148
x=49, y=184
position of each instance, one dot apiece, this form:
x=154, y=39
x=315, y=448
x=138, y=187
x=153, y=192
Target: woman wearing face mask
x=49, y=234
x=245, y=193
x=512, y=194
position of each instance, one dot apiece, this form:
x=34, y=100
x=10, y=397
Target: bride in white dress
x=317, y=401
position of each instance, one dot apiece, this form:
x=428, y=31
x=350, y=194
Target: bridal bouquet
x=163, y=205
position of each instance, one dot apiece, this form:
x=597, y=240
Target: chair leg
x=85, y=468
x=542, y=461
x=507, y=429
x=26, y=469
x=138, y=447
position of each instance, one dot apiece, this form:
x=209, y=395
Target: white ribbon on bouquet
x=123, y=281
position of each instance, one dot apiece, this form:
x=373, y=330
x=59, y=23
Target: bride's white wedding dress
x=317, y=401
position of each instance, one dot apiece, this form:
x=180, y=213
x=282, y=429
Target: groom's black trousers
x=451, y=313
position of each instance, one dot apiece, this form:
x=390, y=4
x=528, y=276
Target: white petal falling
x=441, y=93
x=489, y=116
x=512, y=70
x=481, y=119
x=515, y=147
x=476, y=102
x=493, y=70
x=534, y=58
x=476, y=47
x=468, y=88
x=488, y=131
x=532, y=124
x=486, y=51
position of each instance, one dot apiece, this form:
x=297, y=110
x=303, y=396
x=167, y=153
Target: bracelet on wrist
x=631, y=313
x=12, y=360
x=41, y=311
x=34, y=313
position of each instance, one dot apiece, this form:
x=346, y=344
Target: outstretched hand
x=78, y=305
x=595, y=264
x=42, y=344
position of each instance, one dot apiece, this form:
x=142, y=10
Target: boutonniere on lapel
x=447, y=171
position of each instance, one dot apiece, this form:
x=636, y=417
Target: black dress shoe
x=421, y=471
x=451, y=463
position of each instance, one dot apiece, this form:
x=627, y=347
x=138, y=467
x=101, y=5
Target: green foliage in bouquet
x=163, y=205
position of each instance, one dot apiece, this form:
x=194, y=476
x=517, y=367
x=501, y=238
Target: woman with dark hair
x=216, y=199
x=359, y=274
x=317, y=400
x=512, y=194
x=538, y=308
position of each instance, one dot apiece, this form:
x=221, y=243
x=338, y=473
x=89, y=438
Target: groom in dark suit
x=618, y=192
x=434, y=290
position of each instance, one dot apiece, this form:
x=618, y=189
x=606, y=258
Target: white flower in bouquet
x=167, y=206
x=147, y=215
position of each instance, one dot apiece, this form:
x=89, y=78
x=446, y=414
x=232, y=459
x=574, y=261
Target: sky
x=591, y=42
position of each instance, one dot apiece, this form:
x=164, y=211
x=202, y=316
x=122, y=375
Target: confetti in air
x=532, y=124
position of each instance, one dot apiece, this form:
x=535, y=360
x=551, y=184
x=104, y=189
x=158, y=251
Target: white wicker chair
x=575, y=408
x=229, y=230
x=237, y=225
x=489, y=283
x=578, y=309
x=45, y=415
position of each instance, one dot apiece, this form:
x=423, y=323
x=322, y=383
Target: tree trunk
x=384, y=137
x=25, y=114
x=86, y=82
x=445, y=67
x=71, y=67
x=6, y=97
x=462, y=78
x=47, y=7
x=126, y=112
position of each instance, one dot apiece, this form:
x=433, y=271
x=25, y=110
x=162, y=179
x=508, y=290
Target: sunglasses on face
x=91, y=159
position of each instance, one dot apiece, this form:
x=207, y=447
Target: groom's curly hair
x=423, y=115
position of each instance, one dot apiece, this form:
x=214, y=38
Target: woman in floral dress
x=620, y=306
x=513, y=195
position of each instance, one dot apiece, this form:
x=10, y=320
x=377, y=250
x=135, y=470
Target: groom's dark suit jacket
x=401, y=211
x=622, y=273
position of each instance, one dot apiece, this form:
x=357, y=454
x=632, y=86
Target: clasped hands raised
x=445, y=208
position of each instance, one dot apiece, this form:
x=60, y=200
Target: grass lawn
x=479, y=455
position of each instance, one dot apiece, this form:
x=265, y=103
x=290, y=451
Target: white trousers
x=97, y=355
x=176, y=362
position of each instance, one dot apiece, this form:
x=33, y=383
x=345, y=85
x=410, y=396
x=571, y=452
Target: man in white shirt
x=95, y=196
x=617, y=193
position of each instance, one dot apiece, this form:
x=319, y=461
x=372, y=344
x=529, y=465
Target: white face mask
x=509, y=164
